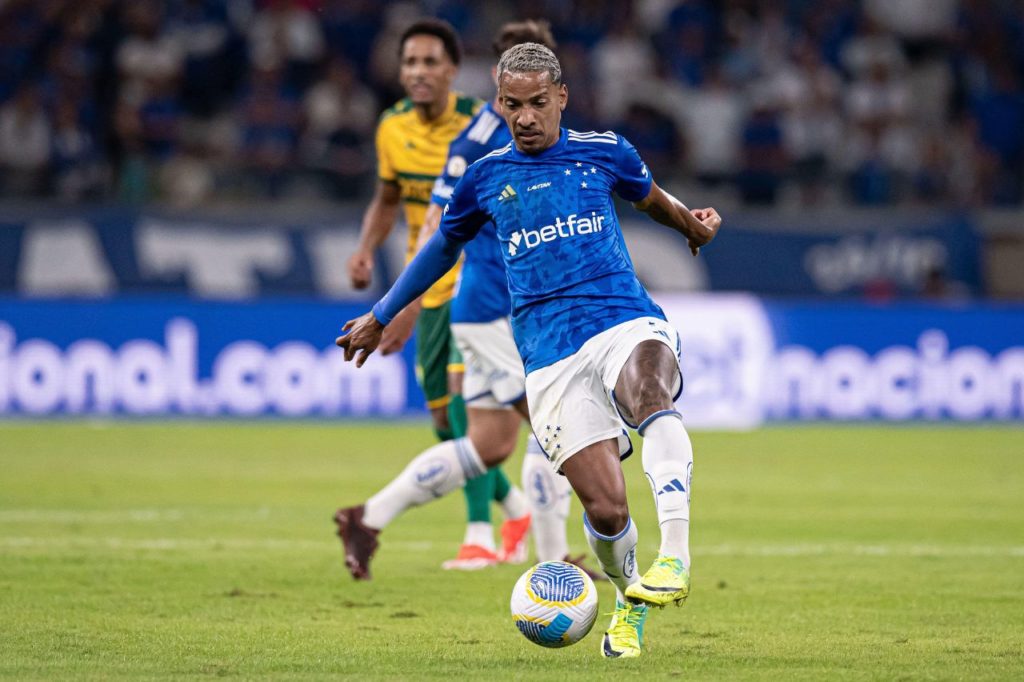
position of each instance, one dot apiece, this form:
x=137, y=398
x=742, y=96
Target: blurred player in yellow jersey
x=412, y=145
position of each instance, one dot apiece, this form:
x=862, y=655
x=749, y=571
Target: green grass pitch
x=182, y=550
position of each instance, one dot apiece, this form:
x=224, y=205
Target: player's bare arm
x=699, y=225
x=378, y=222
x=431, y=221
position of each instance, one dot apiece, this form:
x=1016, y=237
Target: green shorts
x=436, y=354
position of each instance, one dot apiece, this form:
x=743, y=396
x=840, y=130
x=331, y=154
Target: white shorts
x=572, y=402
x=494, y=377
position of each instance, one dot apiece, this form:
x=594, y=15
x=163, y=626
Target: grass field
x=194, y=550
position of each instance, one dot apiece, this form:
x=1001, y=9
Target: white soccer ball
x=554, y=604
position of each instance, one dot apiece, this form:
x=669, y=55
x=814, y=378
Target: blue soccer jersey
x=569, y=274
x=482, y=294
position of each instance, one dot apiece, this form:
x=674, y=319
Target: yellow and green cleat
x=665, y=582
x=624, y=637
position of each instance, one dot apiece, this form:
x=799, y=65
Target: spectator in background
x=213, y=53
x=764, y=159
x=686, y=43
x=871, y=46
x=829, y=24
x=931, y=179
x=148, y=58
x=881, y=148
x=160, y=121
x=270, y=116
x=350, y=27
x=588, y=21
x=340, y=115
x=78, y=170
x=809, y=91
x=287, y=34
x=687, y=61
x=714, y=117
x=998, y=116
x=581, y=112
x=656, y=137
x=872, y=179
x=25, y=140
x=623, y=61
x=134, y=183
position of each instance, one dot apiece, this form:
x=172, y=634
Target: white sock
x=668, y=463
x=616, y=555
x=433, y=473
x=548, y=495
x=479, y=533
x=515, y=505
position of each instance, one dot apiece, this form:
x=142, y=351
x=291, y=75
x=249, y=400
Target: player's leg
x=596, y=476
x=645, y=390
x=549, y=495
x=432, y=474
x=494, y=379
x=494, y=431
x=432, y=366
x=582, y=435
x=477, y=550
x=358, y=526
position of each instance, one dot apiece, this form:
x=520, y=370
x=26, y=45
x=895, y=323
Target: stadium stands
x=833, y=102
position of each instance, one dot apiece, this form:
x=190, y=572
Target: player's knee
x=608, y=517
x=493, y=450
x=651, y=394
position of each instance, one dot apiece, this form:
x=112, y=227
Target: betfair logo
x=572, y=226
x=507, y=193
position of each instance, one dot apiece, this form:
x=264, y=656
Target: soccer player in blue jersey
x=494, y=383
x=597, y=350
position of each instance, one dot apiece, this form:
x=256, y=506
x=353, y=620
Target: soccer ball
x=554, y=604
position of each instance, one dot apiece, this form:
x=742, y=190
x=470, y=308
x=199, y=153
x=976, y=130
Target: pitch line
x=285, y=544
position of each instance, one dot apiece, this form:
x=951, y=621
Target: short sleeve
x=463, y=217
x=385, y=169
x=632, y=179
x=454, y=169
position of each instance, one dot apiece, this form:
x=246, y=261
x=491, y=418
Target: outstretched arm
x=699, y=226
x=436, y=258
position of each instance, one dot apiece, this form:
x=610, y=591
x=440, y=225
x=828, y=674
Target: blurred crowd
x=767, y=102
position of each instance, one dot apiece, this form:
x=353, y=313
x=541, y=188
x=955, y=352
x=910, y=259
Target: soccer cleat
x=579, y=562
x=625, y=635
x=471, y=558
x=358, y=539
x=666, y=581
x=513, y=540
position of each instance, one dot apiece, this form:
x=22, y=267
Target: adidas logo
x=673, y=486
x=507, y=193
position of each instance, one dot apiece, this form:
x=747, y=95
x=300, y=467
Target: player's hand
x=362, y=337
x=399, y=330
x=711, y=221
x=360, y=269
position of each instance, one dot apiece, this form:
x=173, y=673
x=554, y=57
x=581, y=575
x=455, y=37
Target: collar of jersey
x=557, y=147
